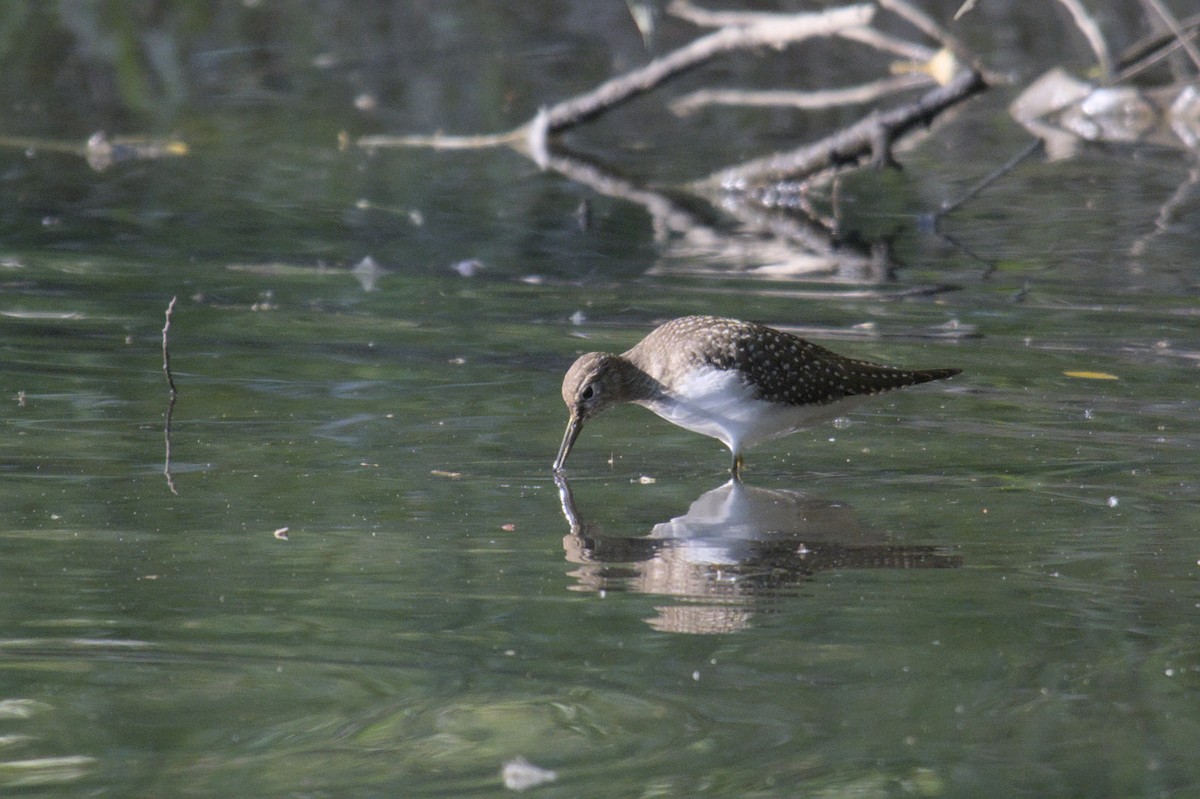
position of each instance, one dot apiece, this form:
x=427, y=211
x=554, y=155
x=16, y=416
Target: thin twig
x=1091, y=31
x=171, y=400
x=703, y=18
x=166, y=347
x=1177, y=30
x=1167, y=213
x=924, y=23
x=1145, y=53
x=887, y=43
x=828, y=98
x=440, y=141
x=949, y=207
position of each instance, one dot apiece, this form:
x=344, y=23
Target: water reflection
x=736, y=550
x=778, y=238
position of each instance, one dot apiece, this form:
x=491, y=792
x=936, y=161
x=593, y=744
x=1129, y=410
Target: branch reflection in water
x=735, y=552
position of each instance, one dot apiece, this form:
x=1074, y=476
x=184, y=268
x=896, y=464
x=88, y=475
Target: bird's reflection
x=735, y=551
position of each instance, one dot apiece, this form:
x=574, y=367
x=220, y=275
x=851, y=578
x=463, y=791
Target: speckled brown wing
x=781, y=367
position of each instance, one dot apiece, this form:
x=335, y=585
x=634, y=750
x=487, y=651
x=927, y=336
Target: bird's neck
x=636, y=384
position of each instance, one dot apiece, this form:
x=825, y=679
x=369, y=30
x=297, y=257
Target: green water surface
x=358, y=577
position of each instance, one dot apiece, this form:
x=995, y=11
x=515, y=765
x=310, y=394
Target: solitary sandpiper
x=739, y=382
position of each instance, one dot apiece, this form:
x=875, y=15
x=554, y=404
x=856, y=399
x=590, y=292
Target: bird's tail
x=864, y=377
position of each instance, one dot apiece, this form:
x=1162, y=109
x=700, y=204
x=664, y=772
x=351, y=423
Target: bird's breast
x=721, y=404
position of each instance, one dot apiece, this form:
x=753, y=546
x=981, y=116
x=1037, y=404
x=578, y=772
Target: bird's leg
x=736, y=469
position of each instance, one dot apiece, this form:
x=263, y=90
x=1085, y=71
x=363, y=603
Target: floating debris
x=519, y=774
x=469, y=267
x=102, y=152
x=266, y=301
x=1083, y=375
x=368, y=272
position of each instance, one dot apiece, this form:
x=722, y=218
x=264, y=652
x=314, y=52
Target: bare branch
x=703, y=18
x=1147, y=52
x=1091, y=31
x=966, y=8
x=872, y=137
x=919, y=20
x=775, y=30
x=440, y=141
x=889, y=44
x=771, y=239
x=830, y=98
x=778, y=32
x=924, y=23
x=1177, y=30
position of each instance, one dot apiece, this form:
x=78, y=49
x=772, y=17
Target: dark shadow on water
x=735, y=551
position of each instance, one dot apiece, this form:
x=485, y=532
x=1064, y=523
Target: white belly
x=719, y=404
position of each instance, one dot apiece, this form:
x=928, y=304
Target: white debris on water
x=519, y=774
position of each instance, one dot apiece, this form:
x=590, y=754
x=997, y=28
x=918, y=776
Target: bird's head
x=593, y=384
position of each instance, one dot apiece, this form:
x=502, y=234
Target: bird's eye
x=588, y=393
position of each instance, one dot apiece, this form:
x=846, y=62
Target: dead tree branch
x=777, y=32
x=886, y=43
x=829, y=98
x=871, y=138
x=703, y=18
x=767, y=239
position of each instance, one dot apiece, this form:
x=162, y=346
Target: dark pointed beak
x=564, y=449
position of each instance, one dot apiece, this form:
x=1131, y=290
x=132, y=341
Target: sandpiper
x=739, y=382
